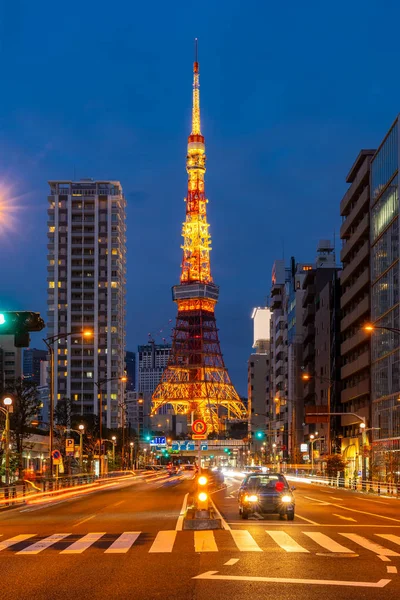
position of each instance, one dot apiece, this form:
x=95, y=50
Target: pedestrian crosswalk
x=166, y=542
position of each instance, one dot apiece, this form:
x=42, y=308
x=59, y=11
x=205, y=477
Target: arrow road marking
x=345, y=518
x=370, y=584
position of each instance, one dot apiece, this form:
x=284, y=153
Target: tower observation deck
x=196, y=381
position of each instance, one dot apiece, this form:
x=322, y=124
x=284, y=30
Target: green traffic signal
x=259, y=434
x=2, y=319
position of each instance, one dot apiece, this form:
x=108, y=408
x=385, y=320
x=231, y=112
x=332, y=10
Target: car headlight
x=286, y=499
x=252, y=498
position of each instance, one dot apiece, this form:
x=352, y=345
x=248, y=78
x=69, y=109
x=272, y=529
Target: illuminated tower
x=196, y=381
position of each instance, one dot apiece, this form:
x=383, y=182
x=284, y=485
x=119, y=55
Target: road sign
x=199, y=436
x=57, y=459
x=69, y=446
x=158, y=441
x=203, y=445
x=191, y=446
x=199, y=427
x=175, y=446
x=182, y=445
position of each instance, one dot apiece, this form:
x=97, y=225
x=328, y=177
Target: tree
x=26, y=405
x=334, y=464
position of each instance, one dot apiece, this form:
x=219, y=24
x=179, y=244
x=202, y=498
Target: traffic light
x=259, y=435
x=19, y=324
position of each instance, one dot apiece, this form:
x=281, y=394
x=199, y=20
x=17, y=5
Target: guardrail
x=355, y=484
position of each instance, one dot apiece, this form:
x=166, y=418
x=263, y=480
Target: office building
x=152, y=360
x=385, y=344
x=32, y=364
x=258, y=381
x=10, y=361
x=130, y=370
x=86, y=291
x=355, y=303
x=321, y=303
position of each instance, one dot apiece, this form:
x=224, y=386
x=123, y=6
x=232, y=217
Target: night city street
x=128, y=542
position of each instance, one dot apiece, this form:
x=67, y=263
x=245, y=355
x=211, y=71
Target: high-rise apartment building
x=32, y=364
x=86, y=290
x=385, y=344
x=355, y=302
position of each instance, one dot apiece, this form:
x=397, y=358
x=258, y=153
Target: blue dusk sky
x=290, y=92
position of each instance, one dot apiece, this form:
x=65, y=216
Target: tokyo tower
x=196, y=381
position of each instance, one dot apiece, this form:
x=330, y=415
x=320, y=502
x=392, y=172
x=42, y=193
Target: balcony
x=276, y=301
x=361, y=255
x=309, y=295
x=359, y=206
x=308, y=352
x=356, y=340
x=362, y=362
x=362, y=309
x=361, y=230
x=351, y=393
x=362, y=281
x=309, y=314
x=309, y=333
x=361, y=175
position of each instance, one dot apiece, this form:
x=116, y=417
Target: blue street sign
x=191, y=446
x=203, y=445
x=158, y=441
x=175, y=446
x=183, y=445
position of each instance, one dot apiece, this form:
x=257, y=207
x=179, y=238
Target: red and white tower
x=196, y=381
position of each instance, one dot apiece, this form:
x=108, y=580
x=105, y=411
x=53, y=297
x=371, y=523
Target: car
x=189, y=468
x=266, y=493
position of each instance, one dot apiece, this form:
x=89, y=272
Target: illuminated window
x=114, y=284
x=114, y=251
x=89, y=374
x=65, y=373
x=51, y=262
x=76, y=397
x=58, y=396
x=59, y=284
x=113, y=396
x=52, y=229
x=51, y=284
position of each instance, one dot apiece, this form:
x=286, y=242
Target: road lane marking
x=118, y=503
x=344, y=518
x=280, y=524
x=286, y=542
x=245, y=541
x=369, y=584
x=231, y=561
x=43, y=544
x=362, y=541
x=321, y=502
x=123, y=543
x=326, y=542
x=223, y=522
x=179, y=523
x=204, y=541
x=15, y=540
x=391, y=569
x=305, y=519
x=384, y=558
x=83, y=544
x=84, y=520
x=390, y=537
x=363, y=512
x=164, y=541
x=336, y=498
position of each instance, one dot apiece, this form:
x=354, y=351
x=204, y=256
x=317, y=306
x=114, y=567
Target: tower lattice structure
x=196, y=381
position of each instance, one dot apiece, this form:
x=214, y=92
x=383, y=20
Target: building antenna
x=196, y=51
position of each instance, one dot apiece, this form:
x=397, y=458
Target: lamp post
x=114, y=441
x=7, y=401
x=81, y=432
x=313, y=439
x=99, y=384
x=50, y=341
x=131, y=456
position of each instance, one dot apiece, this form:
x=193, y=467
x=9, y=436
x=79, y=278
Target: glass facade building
x=385, y=345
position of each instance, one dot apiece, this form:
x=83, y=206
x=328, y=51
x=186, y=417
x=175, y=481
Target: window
x=51, y=284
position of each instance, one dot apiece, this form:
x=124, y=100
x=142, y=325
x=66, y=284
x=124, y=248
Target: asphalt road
x=127, y=542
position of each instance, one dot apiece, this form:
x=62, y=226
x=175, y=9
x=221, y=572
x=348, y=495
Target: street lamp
x=50, y=341
x=370, y=328
x=114, y=441
x=81, y=431
x=131, y=445
x=7, y=401
x=313, y=439
x=99, y=384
